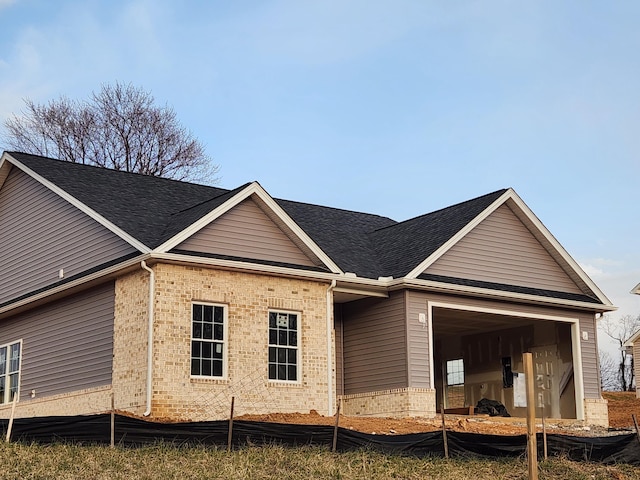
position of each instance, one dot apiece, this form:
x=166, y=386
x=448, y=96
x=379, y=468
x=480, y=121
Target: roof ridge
x=347, y=210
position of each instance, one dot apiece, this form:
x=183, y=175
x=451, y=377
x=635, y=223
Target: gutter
x=152, y=278
x=330, y=400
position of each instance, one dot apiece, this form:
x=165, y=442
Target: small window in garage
x=455, y=383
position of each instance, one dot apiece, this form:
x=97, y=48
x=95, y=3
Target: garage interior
x=478, y=355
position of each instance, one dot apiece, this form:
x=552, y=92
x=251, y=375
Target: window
x=455, y=372
x=283, y=346
x=9, y=371
x=208, y=325
x=455, y=384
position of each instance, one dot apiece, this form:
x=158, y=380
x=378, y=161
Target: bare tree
x=119, y=127
x=609, y=373
x=622, y=330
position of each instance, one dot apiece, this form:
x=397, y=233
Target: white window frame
x=224, y=341
x=455, y=371
x=6, y=398
x=297, y=347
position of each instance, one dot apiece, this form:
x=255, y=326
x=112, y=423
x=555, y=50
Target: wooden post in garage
x=532, y=449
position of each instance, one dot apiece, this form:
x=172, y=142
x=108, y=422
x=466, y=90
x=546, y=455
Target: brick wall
x=130, y=342
x=596, y=412
x=398, y=402
x=81, y=402
x=248, y=298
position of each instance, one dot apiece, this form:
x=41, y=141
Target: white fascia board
x=560, y=249
x=488, y=293
x=359, y=291
x=253, y=189
x=5, y=167
x=458, y=236
x=135, y=243
x=634, y=338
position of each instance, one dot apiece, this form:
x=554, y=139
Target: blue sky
x=391, y=107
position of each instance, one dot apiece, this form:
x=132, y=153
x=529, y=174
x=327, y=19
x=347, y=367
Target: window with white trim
x=10, y=359
x=283, y=346
x=208, y=336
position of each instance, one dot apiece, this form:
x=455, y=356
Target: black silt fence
x=132, y=432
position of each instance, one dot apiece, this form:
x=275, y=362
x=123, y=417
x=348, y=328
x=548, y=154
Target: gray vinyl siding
x=375, y=350
x=589, y=347
x=417, y=342
x=67, y=345
x=41, y=233
x=501, y=249
x=247, y=232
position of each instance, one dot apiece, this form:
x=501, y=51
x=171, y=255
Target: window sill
x=209, y=380
x=283, y=383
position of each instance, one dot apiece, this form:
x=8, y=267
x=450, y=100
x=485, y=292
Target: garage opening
x=478, y=355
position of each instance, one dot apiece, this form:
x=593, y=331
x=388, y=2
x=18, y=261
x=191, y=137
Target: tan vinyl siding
x=247, y=232
x=41, y=233
x=589, y=349
x=67, y=345
x=502, y=250
x=417, y=342
x=375, y=351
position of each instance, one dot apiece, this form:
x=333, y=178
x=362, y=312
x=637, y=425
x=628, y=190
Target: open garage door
x=477, y=354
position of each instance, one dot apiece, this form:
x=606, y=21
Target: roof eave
x=80, y=283
x=449, y=288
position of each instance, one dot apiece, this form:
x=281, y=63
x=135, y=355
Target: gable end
x=247, y=231
x=503, y=250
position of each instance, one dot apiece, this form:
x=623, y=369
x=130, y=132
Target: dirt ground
x=621, y=406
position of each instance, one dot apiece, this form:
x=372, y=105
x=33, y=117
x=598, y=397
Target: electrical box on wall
x=422, y=318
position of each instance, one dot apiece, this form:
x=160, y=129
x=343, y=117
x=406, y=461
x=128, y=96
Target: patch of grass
x=162, y=461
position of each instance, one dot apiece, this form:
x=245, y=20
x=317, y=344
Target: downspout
x=152, y=278
x=329, y=350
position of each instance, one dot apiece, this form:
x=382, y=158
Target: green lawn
x=273, y=462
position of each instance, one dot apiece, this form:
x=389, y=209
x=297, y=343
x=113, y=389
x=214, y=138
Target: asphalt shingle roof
x=141, y=205
x=153, y=210
x=403, y=246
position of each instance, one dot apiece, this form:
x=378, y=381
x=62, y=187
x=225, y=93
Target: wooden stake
x=113, y=422
x=335, y=428
x=229, y=438
x=635, y=422
x=532, y=450
x=444, y=432
x=13, y=411
x=544, y=436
